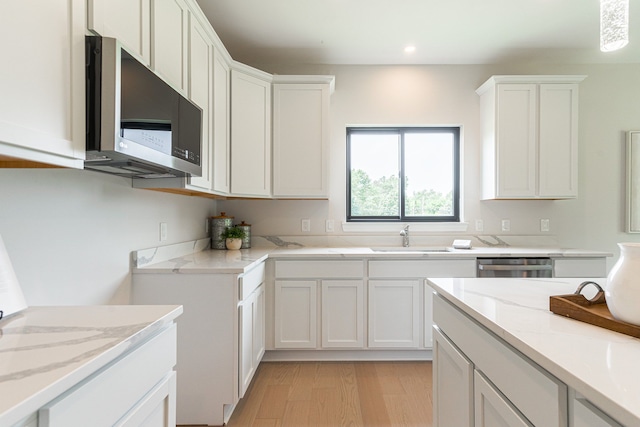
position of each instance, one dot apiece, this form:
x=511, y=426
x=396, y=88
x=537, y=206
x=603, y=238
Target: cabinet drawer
x=423, y=268
x=250, y=281
x=583, y=267
x=491, y=409
x=108, y=395
x=584, y=414
x=507, y=369
x=319, y=269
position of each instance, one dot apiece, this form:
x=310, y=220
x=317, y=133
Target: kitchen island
x=545, y=369
x=94, y=365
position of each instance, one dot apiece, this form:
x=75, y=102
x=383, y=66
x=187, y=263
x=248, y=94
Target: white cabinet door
x=491, y=409
x=342, y=313
x=452, y=385
x=221, y=124
x=156, y=409
x=245, y=340
x=250, y=135
x=258, y=326
x=169, y=34
x=300, y=140
x=251, y=339
x=42, y=101
x=428, y=315
x=128, y=21
x=516, y=145
x=394, y=313
x=558, y=141
x=583, y=413
x=201, y=93
x=295, y=314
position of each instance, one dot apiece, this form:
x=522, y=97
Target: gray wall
x=69, y=233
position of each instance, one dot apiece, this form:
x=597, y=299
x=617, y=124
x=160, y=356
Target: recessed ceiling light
x=409, y=49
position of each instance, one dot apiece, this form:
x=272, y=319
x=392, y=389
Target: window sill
x=366, y=227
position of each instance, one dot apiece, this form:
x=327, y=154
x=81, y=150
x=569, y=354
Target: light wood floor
x=337, y=394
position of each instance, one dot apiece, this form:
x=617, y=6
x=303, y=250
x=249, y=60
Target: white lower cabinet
x=580, y=267
x=112, y=398
x=491, y=408
x=583, y=413
x=403, y=282
x=251, y=340
x=223, y=339
x=394, y=313
x=452, y=384
x=537, y=395
x=342, y=313
x=295, y=314
x=357, y=304
x=315, y=299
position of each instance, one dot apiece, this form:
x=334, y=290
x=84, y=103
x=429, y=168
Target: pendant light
x=614, y=24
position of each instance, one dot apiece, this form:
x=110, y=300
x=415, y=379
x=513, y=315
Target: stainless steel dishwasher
x=515, y=267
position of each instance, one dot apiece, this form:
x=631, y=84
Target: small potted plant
x=233, y=237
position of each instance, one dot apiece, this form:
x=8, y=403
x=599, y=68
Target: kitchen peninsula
x=88, y=365
x=517, y=361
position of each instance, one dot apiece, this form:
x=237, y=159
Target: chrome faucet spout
x=405, y=236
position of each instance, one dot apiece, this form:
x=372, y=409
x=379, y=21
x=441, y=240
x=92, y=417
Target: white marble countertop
x=600, y=364
x=239, y=262
x=44, y=351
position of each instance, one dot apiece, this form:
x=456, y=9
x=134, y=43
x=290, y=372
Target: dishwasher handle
x=489, y=267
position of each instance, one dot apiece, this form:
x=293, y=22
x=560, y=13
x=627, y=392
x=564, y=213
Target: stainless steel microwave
x=137, y=125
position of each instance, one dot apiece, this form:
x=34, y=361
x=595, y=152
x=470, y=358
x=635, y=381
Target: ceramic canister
x=218, y=225
x=622, y=291
x=246, y=242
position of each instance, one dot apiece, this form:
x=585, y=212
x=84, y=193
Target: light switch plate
x=506, y=225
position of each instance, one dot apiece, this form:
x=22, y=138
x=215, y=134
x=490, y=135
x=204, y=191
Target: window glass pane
x=375, y=187
x=429, y=168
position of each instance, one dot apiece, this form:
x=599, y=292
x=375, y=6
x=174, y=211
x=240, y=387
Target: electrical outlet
x=206, y=226
x=306, y=225
x=479, y=225
x=506, y=225
x=164, y=231
x=328, y=226
x=544, y=225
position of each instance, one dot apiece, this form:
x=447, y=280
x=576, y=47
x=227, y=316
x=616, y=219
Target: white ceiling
x=443, y=31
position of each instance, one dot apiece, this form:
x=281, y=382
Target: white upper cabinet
x=529, y=137
x=221, y=124
x=169, y=34
x=126, y=20
x=250, y=133
x=301, y=136
x=201, y=93
x=42, y=101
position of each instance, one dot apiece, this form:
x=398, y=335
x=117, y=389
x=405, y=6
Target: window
x=403, y=174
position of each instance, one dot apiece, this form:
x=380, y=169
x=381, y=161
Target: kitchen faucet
x=405, y=236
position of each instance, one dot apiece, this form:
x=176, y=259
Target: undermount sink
x=422, y=249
